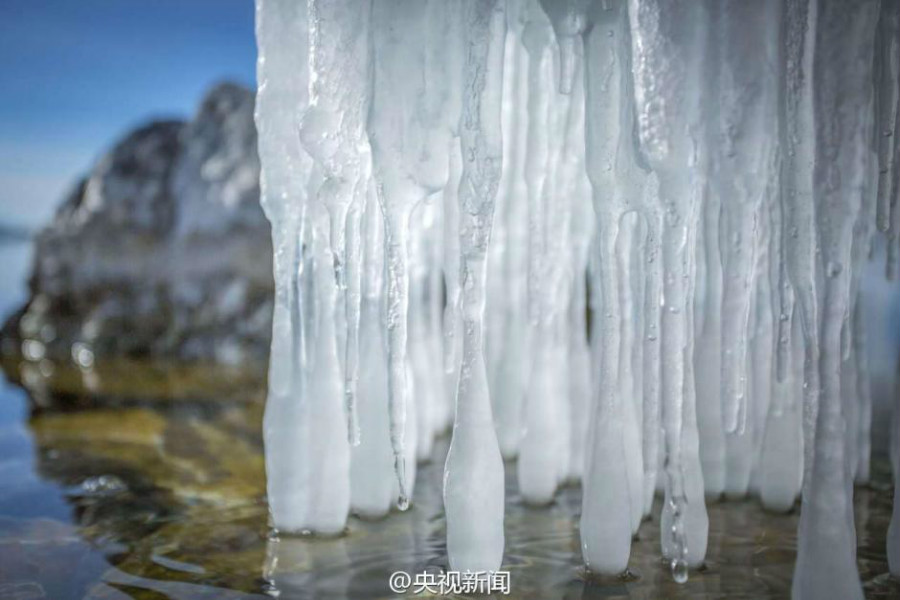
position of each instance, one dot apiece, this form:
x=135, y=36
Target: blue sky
x=77, y=74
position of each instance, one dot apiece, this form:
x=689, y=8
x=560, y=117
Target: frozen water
x=460, y=189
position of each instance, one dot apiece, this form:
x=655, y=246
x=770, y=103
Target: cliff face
x=161, y=251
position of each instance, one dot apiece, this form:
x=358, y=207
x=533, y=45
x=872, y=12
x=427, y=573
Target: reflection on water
x=127, y=480
x=167, y=500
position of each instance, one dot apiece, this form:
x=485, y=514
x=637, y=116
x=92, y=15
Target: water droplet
x=403, y=502
x=679, y=570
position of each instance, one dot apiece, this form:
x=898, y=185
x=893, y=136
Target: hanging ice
x=304, y=375
x=473, y=477
x=712, y=175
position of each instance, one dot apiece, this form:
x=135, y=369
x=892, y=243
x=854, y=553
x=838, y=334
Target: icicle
x=403, y=128
x=328, y=478
x=627, y=290
x=371, y=465
x=410, y=435
x=798, y=209
x=708, y=357
x=885, y=144
x=841, y=79
x=539, y=464
x=581, y=228
x=608, y=496
x=863, y=235
x=761, y=368
x=443, y=97
x=745, y=44
x=440, y=417
x=781, y=460
x=420, y=357
x=506, y=343
x=352, y=305
x=650, y=433
x=393, y=101
x=452, y=326
x=452, y=314
x=778, y=471
x=310, y=494
x=281, y=28
x=696, y=521
x=887, y=110
x=558, y=202
x=473, y=477
x=665, y=38
x=570, y=21
x=332, y=131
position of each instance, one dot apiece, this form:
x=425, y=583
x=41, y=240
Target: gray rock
x=162, y=251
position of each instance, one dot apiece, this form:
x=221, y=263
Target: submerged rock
x=161, y=251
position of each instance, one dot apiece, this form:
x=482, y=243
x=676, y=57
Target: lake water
x=154, y=488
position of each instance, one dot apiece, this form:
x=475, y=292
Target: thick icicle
x=581, y=229
x=609, y=495
x=841, y=86
x=540, y=466
x=778, y=479
x=628, y=290
x=452, y=315
x=402, y=129
x=421, y=359
x=650, y=412
x=452, y=321
x=745, y=46
x=371, y=465
x=708, y=353
x=440, y=113
x=666, y=44
x=311, y=494
x=496, y=296
x=329, y=471
x=781, y=455
x=473, y=477
x=696, y=521
x=508, y=250
x=798, y=208
x=281, y=34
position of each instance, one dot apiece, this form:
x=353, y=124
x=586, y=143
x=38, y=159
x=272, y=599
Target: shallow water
x=151, y=485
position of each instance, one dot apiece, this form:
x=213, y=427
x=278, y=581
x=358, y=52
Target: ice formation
x=450, y=181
